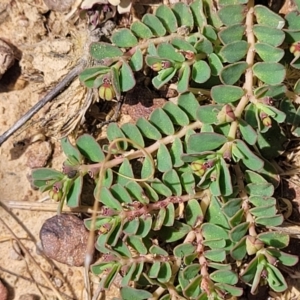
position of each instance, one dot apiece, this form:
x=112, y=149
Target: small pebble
x=38, y=154
x=64, y=239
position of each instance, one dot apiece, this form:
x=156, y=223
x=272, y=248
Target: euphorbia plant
x=186, y=197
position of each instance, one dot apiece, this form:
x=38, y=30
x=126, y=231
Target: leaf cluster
x=187, y=194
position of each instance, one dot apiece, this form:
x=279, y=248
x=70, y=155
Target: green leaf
x=74, y=193
x=193, y=288
x=206, y=141
x=269, y=53
x=208, y=114
x=136, y=243
x=161, y=120
x=165, y=272
x=238, y=232
x=292, y=19
x=129, y=293
x=264, y=16
x=127, y=80
x=270, y=221
x=154, y=270
x=224, y=276
x=89, y=75
x=101, y=50
x=215, y=244
x=46, y=174
x=154, y=249
x=275, y=239
x=176, y=114
x=175, y=152
x=215, y=215
x=239, y=251
x=120, y=193
x=141, y=30
x=148, y=130
x=127, y=278
x=145, y=226
x=249, y=273
x=217, y=255
x=226, y=93
x=136, y=61
x=188, y=103
x=201, y=71
x=108, y=199
x=260, y=189
x=114, y=132
x=269, y=35
x=276, y=279
x=232, y=290
x=183, y=45
x=125, y=170
x=132, y=132
x=89, y=148
x=147, y=168
x=262, y=201
x=163, y=77
x=131, y=227
x=167, y=17
x=174, y=233
x=232, y=73
x=264, y=211
x=159, y=219
x=204, y=46
x=232, y=14
x=124, y=38
x=154, y=24
x=215, y=64
x=136, y=192
x=166, y=50
x=161, y=188
x=198, y=14
x=183, y=15
x=231, y=207
x=249, y=159
x=234, y=51
x=270, y=73
x=211, y=232
x=188, y=182
x=183, y=82
x=172, y=180
x=184, y=249
x=248, y=133
x=225, y=179
x=71, y=152
x=284, y=258
x=170, y=215
x=231, y=33
x=193, y=213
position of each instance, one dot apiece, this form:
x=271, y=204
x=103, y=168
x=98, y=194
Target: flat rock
x=64, y=239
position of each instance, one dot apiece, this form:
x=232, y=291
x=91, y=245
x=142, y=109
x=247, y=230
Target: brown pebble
x=64, y=239
x=29, y=297
x=3, y=291
x=38, y=154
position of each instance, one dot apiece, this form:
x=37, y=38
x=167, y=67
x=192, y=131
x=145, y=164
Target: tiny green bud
x=199, y=167
x=266, y=120
x=226, y=115
x=295, y=49
x=156, y=66
x=107, y=92
x=253, y=245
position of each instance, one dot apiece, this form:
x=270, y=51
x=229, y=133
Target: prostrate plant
x=186, y=197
